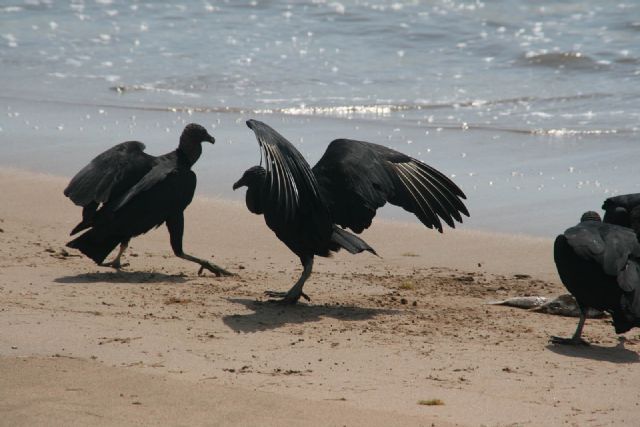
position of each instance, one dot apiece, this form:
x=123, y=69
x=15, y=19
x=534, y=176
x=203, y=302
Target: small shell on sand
x=564, y=305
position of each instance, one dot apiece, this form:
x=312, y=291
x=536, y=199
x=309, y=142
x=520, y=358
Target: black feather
x=304, y=205
x=356, y=178
x=599, y=264
x=623, y=210
x=126, y=192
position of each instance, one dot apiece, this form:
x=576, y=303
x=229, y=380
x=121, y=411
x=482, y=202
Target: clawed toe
x=275, y=294
x=218, y=271
x=281, y=298
x=114, y=264
x=568, y=341
x=285, y=298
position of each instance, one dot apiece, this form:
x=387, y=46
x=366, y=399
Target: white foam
x=574, y=132
x=11, y=40
x=338, y=7
x=12, y=9
x=343, y=110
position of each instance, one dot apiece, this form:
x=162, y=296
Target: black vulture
x=599, y=264
x=308, y=208
x=125, y=192
x=623, y=210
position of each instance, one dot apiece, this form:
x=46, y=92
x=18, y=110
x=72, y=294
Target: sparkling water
x=533, y=108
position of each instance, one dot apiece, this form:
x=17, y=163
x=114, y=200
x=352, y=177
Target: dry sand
x=156, y=344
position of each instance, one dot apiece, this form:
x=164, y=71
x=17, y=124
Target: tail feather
x=81, y=226
x=88, y=214
x=95, y=245
x=350, y=242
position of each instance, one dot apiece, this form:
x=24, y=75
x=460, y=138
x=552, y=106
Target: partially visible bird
x=125, y=192
x=623, y=210
x=599, y=264
x=308, y=209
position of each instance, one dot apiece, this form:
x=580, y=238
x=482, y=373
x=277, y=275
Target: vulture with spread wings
x=599, y=264
x=309, y=208
x=125, y=192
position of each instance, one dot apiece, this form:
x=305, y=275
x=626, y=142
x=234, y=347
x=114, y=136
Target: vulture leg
x=175, y=226
x=215, y=269
x=576, y=339
x=294, y=294
x=116, y=261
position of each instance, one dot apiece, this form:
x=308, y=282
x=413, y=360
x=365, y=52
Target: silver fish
x=522, y=302
x=566, y=305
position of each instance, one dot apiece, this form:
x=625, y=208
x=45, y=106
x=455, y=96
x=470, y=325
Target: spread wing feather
x=356, y=178
x=291, y=186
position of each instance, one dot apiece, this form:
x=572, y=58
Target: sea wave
x=153, y=88
x=386, y=109
x=577, y=132
x=568, y=60
x=363, y=111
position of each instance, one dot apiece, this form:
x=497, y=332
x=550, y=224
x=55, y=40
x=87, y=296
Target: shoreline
x=506, y=182
x=379, y=336
x=383, y=230
x=377, y=220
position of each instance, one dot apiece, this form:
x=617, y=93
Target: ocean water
x=533, y=108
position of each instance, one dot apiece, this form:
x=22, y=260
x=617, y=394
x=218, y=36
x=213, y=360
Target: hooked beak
x=211, y=139
x=238, y=184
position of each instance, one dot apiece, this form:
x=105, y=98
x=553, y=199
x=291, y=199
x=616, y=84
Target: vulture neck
x=254, y=196
x=190, y=150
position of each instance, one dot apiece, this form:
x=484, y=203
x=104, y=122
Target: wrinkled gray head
x=590, y=216
x=194, y=133
x=191, y=141
x=252, y=176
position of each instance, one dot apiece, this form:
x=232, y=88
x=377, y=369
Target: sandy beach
x=156, y=344
x=531, y=108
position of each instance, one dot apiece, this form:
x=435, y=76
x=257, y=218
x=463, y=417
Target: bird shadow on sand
x=615, y=354
x=267, y=315
x=122, y=277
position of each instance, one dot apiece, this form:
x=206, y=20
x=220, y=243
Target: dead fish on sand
x=522, y=302
x=564, y=305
